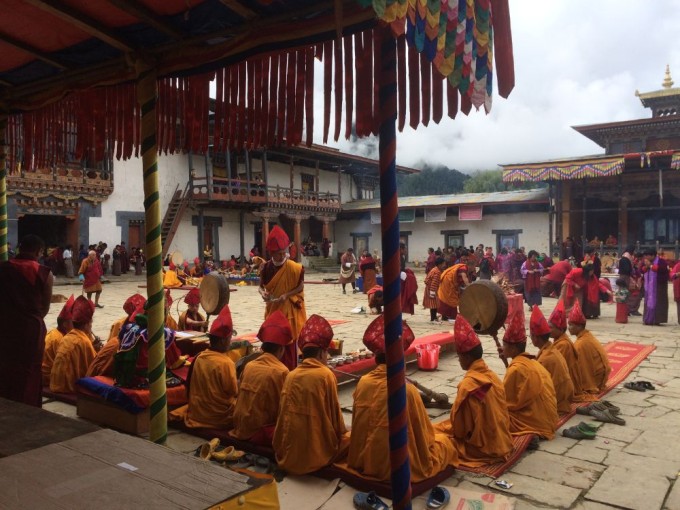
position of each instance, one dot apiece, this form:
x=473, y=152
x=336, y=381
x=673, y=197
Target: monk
x=453, y=280
x=594, y=363
x=54, y=338
x=261, y=384
x=103, y=362
x=170, y=321
x=211, y=383
x=479, y=425
x=191, y=319
x=429, y=452
x=310, y=430
x=170, y=279
x=76, y=351
x=532, y=403
x=552, y=361
x=282, y=288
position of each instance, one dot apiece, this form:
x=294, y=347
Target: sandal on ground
x=601, y=406
x=228, y=454
x=646, y=385
x=245, y=461
x=369, y=501
x=634, y=385
x=585, y=410
x=612, y=408
x=577, y=433
x=606, y=417
x=207, y=449
x=439, y=497
x=588, y=427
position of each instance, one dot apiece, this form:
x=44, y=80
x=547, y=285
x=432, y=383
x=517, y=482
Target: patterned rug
x=519, y=446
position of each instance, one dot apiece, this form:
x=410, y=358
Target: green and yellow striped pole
x=3, y=188
x=147, y=95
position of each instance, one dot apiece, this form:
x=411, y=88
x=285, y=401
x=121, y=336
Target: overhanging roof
x=598, y=132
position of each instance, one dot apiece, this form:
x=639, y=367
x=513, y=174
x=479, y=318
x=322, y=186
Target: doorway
x=51, y=229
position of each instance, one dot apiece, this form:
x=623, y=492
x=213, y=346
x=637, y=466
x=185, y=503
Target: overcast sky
x=576, y=62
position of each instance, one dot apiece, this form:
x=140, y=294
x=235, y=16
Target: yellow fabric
x=52, y=341
x=429, y=452
x=479, y=423
x=565, y=346
x=265, y=497
x=212, y=392
x=594, y=363
x=74, y=356
x=310, y=430
x=116, y=327
x=170, y=280
x=170, y=322
x=285, y=280
x=449, y=291
x=103, y=362
x=555, y=364
x=531, y=398
x=259, y=394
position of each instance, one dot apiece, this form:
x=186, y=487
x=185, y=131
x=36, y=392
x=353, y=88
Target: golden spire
x=667, y=80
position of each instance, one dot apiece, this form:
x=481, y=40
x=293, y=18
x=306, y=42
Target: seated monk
x=54, y=337
x=104, y=360
x=529, y=390
x=552, y=361
x=593, y=360
x=211, y=383
x=310, y=430
x=170, y=279
x=257, y=405
x=170, y=322
x=197, y=270
x=76, y=351
x=479, y=425
x=191, y=319
x=429, y=452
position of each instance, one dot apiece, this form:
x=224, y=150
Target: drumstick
x=498, y=344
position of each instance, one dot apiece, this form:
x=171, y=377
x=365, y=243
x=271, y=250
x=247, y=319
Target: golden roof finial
x=667, y=80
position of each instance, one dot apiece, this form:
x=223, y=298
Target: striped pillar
x=147, y=94
x=394, y=350
x=3, y=188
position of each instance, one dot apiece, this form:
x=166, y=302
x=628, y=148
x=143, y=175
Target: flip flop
x=588, y=427
x=634, y=385
x=576, y=433
x=439, y=497
x=601, y=406
x=646, y=385
x=585, y=410
x=607, y=417
x=369, y=501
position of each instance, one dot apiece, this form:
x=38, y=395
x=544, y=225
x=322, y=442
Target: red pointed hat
x=538, y=325
x=316, y=332
x=275, y=329
x=374, y=336
x=194, y=297
x=83, y=310
x=172, y=266
x=168, y=298
x=576, y=315
x=197, y=261
x=67, y=312
x=464, y=335
x=223, y=326
x=133, y=303
x=185, y=264
x=558, y=317
x=277, y=240
x=515, y=333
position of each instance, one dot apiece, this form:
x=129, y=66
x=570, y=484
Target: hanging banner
x=470, y=212
x=435, y=215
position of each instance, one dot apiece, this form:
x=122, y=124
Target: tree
x=489, y=181
x=438, y=180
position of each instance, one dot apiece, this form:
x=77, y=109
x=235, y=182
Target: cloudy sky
x=576, y=62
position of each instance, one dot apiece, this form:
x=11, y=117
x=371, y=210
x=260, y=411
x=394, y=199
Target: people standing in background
x=90, y=273
x=621, y=297
x=430, y=262
x=367, y=270
x=116, y=268
x=68, y=260
x=503, y=262
x=325, y=247
x=655, y=274
x=124, y=258
x=432, y=281
x=348, y=265
x=487, y=265
x=531, y=272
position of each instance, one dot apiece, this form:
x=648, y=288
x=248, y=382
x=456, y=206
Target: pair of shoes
x=206, y=450
x=639, y=385
x=439, y=497
x=228, y=454
x=607, y=417
x=368, y=501
x=588, y=427
x=577, y=433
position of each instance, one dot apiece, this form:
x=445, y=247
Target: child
x=621, y=298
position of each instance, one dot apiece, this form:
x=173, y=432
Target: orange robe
x=74, y=356
x=259, y=393
x=565, y=346
x=212, y=392
x=310, y=430
x=429, y=452
x=531, y=398
x=479, y=423
x=594, y=363
x=183, y=322
x=103, y=362
x=170, y=322
x=116, y=327
x=285, y=280
x=449, y=289
x=52, y=341
x=555, y=364
x=170, y=280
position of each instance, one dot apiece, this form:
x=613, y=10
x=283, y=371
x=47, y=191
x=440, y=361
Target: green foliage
x=489, y=181
x=438, y=180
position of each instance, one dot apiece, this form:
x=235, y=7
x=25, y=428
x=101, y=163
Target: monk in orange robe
x=429, y=452
x=191, y=319
x=211, y=384
x=552, y=361
x=282, y=288
x=54, y=337
x=479, y=424
x=529, y=390
x=170, y=321
x=594, y=363
x=170, y=279
x=453, y=280
x=76, y=351
x=261, y=384
x=310, y=430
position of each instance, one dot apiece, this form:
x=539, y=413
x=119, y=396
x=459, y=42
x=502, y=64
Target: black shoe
x=636, y=314
x=99, y=306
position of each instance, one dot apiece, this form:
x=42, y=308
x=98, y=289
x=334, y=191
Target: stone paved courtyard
x=634, y=466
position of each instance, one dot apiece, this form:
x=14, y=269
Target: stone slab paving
x=634, y=466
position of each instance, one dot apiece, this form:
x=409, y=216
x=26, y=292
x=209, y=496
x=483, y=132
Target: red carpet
x=519, y=445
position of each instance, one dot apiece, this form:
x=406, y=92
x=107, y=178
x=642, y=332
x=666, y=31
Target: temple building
x=627, y=197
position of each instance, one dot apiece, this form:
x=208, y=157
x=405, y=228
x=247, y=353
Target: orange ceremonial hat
x=464, y=335
x=67, y=312
x=515, y=333
x=576, y=315
x=223, y=326
x=558, y=317
x=275, y=329
x=374, y=336
x=168, y=298
x=134, y=302
x=277, y=240
x=83, y=310
x=316, y=332
x=538, y=325
x=194, y=297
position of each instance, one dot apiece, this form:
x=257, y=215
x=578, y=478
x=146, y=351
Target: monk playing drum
x=191, y=319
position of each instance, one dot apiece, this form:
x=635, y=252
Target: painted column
x=297, y=235
x=325, y=231
x=3, y=188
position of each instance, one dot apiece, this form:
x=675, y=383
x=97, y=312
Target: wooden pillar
x=265, y=233
x=551, y=216
x=4, y=254
x=201, y=234
x=325, y=230
x=242, y=231
x=296, y=236
x=340, y=185
x=623, y=223
x=292, y=176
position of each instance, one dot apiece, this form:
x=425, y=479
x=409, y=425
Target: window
x=308, y=182
x=506, y=239
x=455, y=240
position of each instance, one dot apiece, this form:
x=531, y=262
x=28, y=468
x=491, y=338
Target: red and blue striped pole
x=394, y=349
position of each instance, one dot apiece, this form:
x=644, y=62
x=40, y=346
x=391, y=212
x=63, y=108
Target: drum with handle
x=485, y=306
x=177, y=258
x=214, y=292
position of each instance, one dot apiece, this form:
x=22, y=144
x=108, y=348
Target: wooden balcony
x=80, y=182
x=298, y=199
